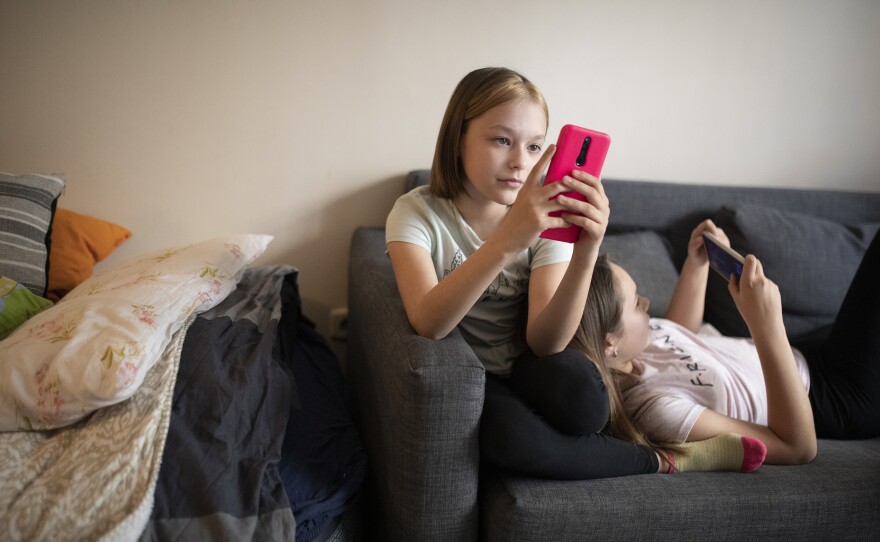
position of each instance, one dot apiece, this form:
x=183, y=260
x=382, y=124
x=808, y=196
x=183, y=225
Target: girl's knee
x=566, y=388
x=568, y=366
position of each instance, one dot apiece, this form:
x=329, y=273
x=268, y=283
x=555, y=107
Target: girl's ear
x=610, y=343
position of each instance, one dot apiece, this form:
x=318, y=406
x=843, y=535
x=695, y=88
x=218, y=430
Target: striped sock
x=727, y=452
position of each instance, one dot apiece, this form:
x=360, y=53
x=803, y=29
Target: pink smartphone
x=576, y=148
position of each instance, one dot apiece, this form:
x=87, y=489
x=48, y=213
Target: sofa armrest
x=418, y=402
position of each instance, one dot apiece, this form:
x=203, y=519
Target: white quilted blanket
x=93, y=480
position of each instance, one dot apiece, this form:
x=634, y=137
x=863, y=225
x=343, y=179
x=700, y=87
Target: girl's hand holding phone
x=590, y=215
x=530, y=213
x=757, y=297
x=577, y=200
x=579, y=150
x=696, y=249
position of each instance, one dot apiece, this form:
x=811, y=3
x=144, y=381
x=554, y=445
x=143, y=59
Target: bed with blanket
x=179, y=395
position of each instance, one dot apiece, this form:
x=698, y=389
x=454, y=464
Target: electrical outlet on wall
x=339, y=324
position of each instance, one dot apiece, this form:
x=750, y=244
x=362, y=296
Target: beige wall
x=186, y=119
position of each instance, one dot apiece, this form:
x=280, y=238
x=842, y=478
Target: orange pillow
x=78, y=243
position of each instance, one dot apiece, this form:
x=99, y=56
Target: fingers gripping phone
x=724, y=260
x=576, y=148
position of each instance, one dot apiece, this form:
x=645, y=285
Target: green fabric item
x=17, y=305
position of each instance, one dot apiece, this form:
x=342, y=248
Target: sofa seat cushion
x=821, y=500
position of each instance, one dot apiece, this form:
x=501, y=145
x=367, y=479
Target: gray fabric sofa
x=419, y=400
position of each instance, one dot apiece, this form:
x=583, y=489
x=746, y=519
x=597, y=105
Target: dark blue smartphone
x=724, y=260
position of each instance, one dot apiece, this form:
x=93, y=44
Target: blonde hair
x=478, y=92
x=602, y=317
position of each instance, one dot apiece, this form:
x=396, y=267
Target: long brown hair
x=602, y=317
x=478, y=92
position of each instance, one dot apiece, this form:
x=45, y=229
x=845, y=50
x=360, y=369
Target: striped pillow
x=27, y=205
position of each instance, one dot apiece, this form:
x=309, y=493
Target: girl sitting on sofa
x=682, y=381
x=466, y=253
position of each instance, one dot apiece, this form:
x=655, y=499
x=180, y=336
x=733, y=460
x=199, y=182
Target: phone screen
x=723, y=260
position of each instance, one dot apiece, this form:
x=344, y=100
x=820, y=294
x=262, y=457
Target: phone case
x=725, y=261
x=576, y=148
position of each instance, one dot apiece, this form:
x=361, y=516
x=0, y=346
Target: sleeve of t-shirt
x=547, y=252
x=409, y=222
x=664, y=418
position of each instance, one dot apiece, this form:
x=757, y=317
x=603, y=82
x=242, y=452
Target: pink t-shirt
x=684, y=373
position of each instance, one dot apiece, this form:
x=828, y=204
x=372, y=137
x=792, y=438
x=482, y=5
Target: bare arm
x=558, y=293
x=554, y=312
x=688, y=302
x=435, y=307
x=790, y=435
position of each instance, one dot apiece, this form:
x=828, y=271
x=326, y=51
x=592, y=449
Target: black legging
x=544, y=420
x=845, y=367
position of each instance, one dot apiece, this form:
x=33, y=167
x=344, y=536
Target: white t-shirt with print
x=494, y=327
x=684, y=373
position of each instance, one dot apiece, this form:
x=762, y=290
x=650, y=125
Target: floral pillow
x=95, y=346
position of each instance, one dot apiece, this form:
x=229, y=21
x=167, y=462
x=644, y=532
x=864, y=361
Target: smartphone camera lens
x=582, y=156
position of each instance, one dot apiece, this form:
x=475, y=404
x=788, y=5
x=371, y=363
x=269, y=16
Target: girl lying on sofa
x=466, y=253
x=682, y=381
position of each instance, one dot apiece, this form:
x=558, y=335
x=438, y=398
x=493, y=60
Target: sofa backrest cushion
x=647, y=257
x=813, y=260
x=801, y=220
